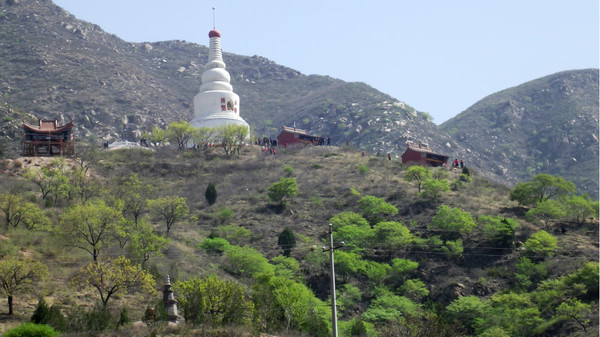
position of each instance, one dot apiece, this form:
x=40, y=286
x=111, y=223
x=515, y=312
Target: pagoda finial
x=214, y=26
x=168, y=279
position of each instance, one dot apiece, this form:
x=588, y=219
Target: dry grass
x=325, y=177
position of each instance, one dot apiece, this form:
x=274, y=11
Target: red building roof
x=48, y=126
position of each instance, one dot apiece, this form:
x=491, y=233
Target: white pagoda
x=216, y=104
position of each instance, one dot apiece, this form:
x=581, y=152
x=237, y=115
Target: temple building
x=423, y=155
x=216, y=104
x=291, y=135
x=48, y=139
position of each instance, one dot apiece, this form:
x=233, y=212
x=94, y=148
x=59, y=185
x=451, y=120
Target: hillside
x=53, y=65
x=56, y=66
x=330, y=181
x=548, y=125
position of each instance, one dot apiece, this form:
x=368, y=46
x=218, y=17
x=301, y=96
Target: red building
x=48, y=139
x=422, y=154
x=296, y=136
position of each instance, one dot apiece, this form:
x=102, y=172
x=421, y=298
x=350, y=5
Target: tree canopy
x=542, y=187
x=110, y=277
x=18, y=275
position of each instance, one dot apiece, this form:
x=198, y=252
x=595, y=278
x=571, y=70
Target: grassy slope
x=325, y=177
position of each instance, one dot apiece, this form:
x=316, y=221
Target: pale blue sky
x=438, y=56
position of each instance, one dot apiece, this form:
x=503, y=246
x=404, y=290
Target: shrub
x=285, y=187
x=414, y=289
x=363, y=169
x=540, y=245
x=223, y=215
x=348, y=218
x=432, y=188
x=289, y=170
x=214, y=245
x=467, y=310
x=401, y=268
x=31, y=330
x=453, y=220
x=40, y=315
x=374, y=209
x=499, y=230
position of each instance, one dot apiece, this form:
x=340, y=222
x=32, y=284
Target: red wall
x=411, y=156
x=286, y=137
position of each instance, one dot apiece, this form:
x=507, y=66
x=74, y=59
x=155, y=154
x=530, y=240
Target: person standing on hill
x=462, y=164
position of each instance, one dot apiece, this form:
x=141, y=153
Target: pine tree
x=287, y=241
x=211, y=194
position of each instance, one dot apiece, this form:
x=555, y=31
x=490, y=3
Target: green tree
x=515, y=313
x=20, y=275
x=347, y=264
x=432, y=188
x=453, y=248
x=287, y=267
x=114, y=277
x=499, y=230
x=574, y=309
x=158, y=136
x=42, y=178
x=246, y=261
x=181, y=132
x=145, y=241
x=387, y=308
x=349, y=295
x=171, y=209
x=210, y=300
x=90, y=227
x=375, y=272
x=202, y=137
x=580, y=207
x=278, y=300
x=287, y=241
x=467, y=310
x=285, y=187
x=17, y=211
x=529, y=273
x=355, y=236
x=417, y=173
x=231, y=137
x=402, y=268
x=348, y=218
x=454, y=220
x=542, y=187
x=375, y=209
x=540, y=245
x=546, y=210
x=440, y=173
x=211, y=194
x=414, y=289
x=392, y=235
x=587, y=276
x=134, y=194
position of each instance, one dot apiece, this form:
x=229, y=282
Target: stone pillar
x=170, y=302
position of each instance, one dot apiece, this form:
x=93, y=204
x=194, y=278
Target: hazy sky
x=438, y=56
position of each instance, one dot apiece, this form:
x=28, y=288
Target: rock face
x=549, y=125
x=56, y=66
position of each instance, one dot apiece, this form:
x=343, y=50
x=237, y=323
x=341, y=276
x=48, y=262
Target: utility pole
x=331, y=248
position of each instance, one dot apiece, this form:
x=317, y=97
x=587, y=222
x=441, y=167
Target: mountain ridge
x=64, y=68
